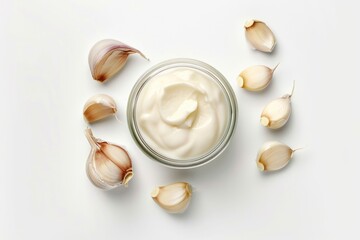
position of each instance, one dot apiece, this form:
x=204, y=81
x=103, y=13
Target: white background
x=45, y=80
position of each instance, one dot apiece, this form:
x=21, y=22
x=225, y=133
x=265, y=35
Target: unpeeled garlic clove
x=108, y=165
x=174, y=198
x=259, y=35
x=276, y=113
x=273, y=156
x=98, y=107
x=107, y=57
x=255, y=78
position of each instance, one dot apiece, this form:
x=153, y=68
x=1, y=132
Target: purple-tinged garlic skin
x=107, y=57
x=108, y=165
x=98, y=107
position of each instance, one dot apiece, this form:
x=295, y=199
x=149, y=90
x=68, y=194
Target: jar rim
x=213, y=74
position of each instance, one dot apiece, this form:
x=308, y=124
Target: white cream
x=182, y=113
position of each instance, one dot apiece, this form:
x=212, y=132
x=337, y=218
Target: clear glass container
x=212, y=74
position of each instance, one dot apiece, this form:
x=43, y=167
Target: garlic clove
x=273, y=156
x=260, y=35
x=255, y=78
x=119, y=156
x=277, y=113
x=107, y=57
x=99, y=107
x=108, y=165
x=108, y=170
x=174, y=198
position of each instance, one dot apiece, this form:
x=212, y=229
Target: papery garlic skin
x=276, y=114
x=99, y=107
x=273, y=156
x=260, y=35
x=255, y=78
x=174, y=198
x=107, y=57
x=108, y=165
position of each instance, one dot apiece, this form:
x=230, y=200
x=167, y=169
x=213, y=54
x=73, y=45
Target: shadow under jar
x=182, y=113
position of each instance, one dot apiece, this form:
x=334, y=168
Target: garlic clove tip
x=273, y=70
x=292, y=90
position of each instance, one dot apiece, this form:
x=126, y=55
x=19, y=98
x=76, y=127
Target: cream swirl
x=182, y=113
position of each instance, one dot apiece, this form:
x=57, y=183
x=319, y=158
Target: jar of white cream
x=182, y=113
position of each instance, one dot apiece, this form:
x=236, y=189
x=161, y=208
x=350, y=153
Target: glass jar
x=212, y=74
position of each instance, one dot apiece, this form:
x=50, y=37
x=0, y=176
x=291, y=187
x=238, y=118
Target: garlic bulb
x=277, y=112
x=274, y=156
x=174, y=198
x=107, y=57
x=255, y=78
x=98, y=107
x=108, y=165
x=260, y=36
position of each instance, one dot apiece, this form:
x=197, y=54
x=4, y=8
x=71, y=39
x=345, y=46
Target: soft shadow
x=224, y=163
x=280, y=172
x=122, y=193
